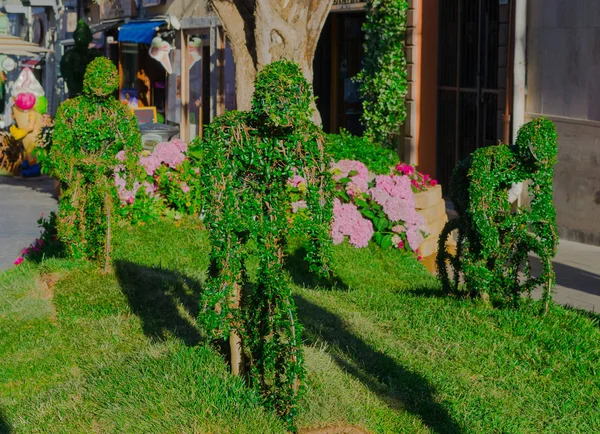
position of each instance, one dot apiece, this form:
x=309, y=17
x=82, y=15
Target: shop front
x=184, y=76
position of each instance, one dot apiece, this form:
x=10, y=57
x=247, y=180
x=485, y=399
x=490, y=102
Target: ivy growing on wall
x=249, y=159
x=384, y=76
x=494, y=239
x=90, y=130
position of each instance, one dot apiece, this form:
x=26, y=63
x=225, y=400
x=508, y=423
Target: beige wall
x=181, y=8
x=563, y=83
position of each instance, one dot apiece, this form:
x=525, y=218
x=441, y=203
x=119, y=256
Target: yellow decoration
x=17, y=133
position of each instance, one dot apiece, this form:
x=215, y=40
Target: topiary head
x=536, y=143
x=101, y=78
x=282, y=96
x=82, y=35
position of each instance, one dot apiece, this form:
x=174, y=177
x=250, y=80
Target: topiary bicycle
x=494, y=240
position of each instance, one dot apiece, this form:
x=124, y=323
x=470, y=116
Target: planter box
x=431, y=205
x=428, y=198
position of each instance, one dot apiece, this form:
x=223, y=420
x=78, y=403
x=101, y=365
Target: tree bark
x=263, y=31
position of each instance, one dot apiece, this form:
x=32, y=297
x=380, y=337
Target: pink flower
x=414, y=237
x=130, y=200
x=120, y=156
x=196, y=171
x=19, y=260
x=419, y=258
x=185, y=188
x=348, y=221
x=300, y=204
x=296, y=181
x=433, y=183
x=25, y=251
x=406, y=169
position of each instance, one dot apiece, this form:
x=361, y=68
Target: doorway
x=473, y=53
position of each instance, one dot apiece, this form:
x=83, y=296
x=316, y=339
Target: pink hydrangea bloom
x=170, y=153
x=348, y=221
x=300, y=204
x=150, y=164
x=296, y=181
x=414, y=237
x=359, y=182
x=126, y=196
x=395, y=195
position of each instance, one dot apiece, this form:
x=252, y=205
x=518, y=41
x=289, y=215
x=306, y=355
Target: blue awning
x=139, y=32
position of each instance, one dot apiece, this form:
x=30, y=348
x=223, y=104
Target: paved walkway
x=577, y=269
x=22, y=201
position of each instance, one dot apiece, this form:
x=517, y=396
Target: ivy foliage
x=248, y=158
x=384, y=76
x=495, y=240
x=88, y=133
x=74, y=63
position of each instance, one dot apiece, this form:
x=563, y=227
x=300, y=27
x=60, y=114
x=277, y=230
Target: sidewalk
x=577, y=269
x=22, y=201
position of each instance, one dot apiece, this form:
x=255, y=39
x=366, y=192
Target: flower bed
x=402, y=210
x=370, y=207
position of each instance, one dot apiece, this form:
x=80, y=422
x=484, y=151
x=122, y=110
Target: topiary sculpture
x=74, y=63
x=249, y=158
x=494, y=240
x=90, y=130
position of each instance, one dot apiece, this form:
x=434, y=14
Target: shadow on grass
x=4, y=425
x=394, y=384
x=298, y=268
x=166, y=301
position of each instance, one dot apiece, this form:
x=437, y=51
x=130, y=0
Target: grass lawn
x=385, y=351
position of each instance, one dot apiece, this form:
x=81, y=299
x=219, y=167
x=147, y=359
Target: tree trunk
x=263, y=31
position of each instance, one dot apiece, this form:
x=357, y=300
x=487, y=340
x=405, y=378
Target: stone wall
x=563, y=83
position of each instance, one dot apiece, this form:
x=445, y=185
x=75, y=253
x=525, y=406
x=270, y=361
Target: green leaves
x=494, y=241
x=247, y=159
x=384, y=77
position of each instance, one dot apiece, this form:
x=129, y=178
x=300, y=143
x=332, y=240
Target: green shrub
x=345, y=146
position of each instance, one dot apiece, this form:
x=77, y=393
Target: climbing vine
x=249, y=159
x=384, y=76
x=494, y=239
x=89, y=131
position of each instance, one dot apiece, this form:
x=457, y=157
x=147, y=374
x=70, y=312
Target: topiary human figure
x=89, y=131
x=494, y=240
x=249, y=158
x=75, y=61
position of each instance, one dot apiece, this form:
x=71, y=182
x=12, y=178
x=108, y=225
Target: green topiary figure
x=494, y=240
x=90, y=130
x=249, y=159
x=75, y=61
